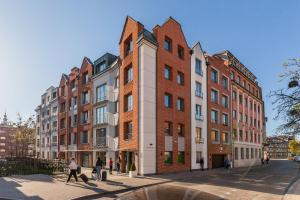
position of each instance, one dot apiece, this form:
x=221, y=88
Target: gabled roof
x=128, y=18
x=147, y=35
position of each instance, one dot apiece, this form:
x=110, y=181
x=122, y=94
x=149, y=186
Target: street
x=259, y=182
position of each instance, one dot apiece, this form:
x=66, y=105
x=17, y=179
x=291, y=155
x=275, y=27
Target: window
x=85, y=97
x=54, y=125
x=101, y=93
x=198, y=156
x=198, y=112
x=232, y=75
x=62, y=108
x=54, y=94
x=168, y=128
x=85, y=117
x=116, y=85
x=246, y=102
x=168, y=44
x=242, y=153
x=241, y=135
x=246, y=138
x=251, y=121
x=128, y=46
x=168, y=72
x=73, y=138
x=180, y=104
x=214, y=96
x=225, y=137
x=234, y=114
x=215, y=136
x=241, y=117
x=198, y=67
x=84, y=137
x=168, y=100
x=180, y=51
x=85, y=78
x=198, y=91
x=54, y=109
x=214, y=76
x=180, y=157
x=254, y=107
x=100, y=67
x=180, y=78
x=234, y=95
x=180, y=130
x=225, y=119
x=225, y=101
x=251, y=105
x=101, y=137
x=62, y=139
x=244, y=83
x=168, y=157
x=198, y=135
x=252, y=153
x=234, y=135
x=239, y=80
x=236, y=153
x=101, y=115
x=258, y=109
x=224, y=82
x=128, y=74
x=214, y=116
x=62, y=123
x=128, y=102
x=247, y=153
x=248, y=88
x=246, y=118
x=241, y=99
x=128, y=130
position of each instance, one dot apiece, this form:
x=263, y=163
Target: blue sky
x=40, y=40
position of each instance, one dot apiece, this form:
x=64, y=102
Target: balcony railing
x=199, y=117
x=199, y=93
x=199, y=140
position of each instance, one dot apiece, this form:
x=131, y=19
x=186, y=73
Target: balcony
x=199, y=140
x=101, y=98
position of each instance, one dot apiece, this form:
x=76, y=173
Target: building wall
x=7, y=147
x=172, y=29
x=202, y=123
x=219, y=148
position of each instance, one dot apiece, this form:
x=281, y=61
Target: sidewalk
x=294, y=191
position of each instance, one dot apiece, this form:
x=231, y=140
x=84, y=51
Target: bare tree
x=287, y=100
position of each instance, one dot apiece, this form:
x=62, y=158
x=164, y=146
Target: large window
x=84, y=137
x=214, y=76
x=225, y=101
x=215, y=136
x=128, y=74
x=168, y=100
x=85, y=78
x=85, y=97
x=198, y=91
x=180, y=78
x=214, y=96
x=198, y=112
x=180, y=130
x=168, y=157
x=180, y=157
x=198, y=135
x=128, y=46
x=225, y=137
x=180, y=104
x=225, y=82
x=128, y=102
x=225, y=119
x=101, y=137
x=180, y=52
x=85, y=117
x=128, y=130
x=214, y=116
x=168, y=72
x=168, y=128
x=198, y=67
x=101, y=115
x=168, y=44
x=101, y=93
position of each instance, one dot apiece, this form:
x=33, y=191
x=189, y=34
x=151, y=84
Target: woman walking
x=98, y=168
x=73, y=170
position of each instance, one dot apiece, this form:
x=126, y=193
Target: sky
x=40, y=40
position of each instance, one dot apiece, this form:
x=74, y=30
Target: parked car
x=297, y=158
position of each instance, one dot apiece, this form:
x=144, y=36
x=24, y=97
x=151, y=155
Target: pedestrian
x=118, y=164
x=110, y=165
x=267, y=160
x=73, y=170
x=262, y=161
x=202, y=163
x=226, y=163
x=99, y=164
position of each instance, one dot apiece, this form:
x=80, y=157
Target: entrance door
x=217, y=161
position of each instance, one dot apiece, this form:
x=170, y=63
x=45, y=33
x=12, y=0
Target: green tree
x=24, y=135
x=287, y=99
x=294, y=147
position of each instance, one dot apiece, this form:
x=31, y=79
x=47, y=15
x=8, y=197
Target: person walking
x=262, y=161
x=118, y=164
x=110, y=165
x=73, y=170
x=99, y=164
x=267, y=160
x=226, y=163
x=202, y=163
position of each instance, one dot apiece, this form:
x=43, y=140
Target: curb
x=291, y=186
x=93, y=196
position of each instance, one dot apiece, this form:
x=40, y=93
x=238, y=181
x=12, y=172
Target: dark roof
x=147, y=35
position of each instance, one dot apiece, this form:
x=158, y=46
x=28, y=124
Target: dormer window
x=128, y=46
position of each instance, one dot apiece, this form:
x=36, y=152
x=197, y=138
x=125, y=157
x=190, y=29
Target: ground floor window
x=255, y=153
x=242, y=153
x=168, y=157
x=236, y=153
x=180, y=157
x=85, y=159
x=252, y=153
x=198, y=156
x=247, y=153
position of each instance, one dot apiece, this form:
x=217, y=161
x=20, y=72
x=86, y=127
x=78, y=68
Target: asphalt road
x=259, y=182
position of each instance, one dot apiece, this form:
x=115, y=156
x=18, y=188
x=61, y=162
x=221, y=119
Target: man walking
x=110, y=165
x=98, y=168
x=202, y=163
x=73, y=170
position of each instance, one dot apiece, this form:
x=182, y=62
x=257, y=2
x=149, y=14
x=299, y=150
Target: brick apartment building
x=7, y=132
x=218, y=112
x=247, y=112
x=75, y=114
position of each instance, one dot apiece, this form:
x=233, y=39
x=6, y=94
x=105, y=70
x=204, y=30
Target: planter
x=132, y=174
